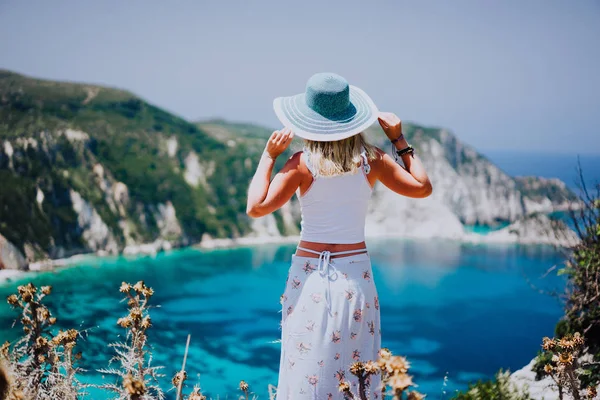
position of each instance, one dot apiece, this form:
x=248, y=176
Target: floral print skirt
x=330, y=319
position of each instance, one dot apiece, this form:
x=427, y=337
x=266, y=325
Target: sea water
x=456, y=311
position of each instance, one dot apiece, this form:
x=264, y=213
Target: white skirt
x=330, y=319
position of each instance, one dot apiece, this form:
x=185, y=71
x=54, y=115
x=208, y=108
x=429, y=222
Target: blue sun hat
x=328, y=110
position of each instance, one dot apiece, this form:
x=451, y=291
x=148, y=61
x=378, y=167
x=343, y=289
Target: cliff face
x=474, y=189
x=535, y=228
x=467, y=189
x=544, y=194
x=10, y=256
x=92, y=169
x=58, y=199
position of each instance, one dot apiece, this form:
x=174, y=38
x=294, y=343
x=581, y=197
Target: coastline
x=145, y=249
x=9, y=275
x=152, y=249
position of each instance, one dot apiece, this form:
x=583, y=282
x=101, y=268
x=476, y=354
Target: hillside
x=85, y=168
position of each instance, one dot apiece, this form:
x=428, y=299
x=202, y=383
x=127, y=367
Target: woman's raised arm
x=265, y=196
x=410, y=180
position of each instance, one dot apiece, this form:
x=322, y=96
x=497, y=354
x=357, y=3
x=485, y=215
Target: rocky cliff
x=544, y=194
x=468, y=190
x=85, y=168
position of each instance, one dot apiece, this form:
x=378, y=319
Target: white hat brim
x=306, y=123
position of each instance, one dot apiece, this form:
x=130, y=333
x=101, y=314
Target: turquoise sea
x=460, y=311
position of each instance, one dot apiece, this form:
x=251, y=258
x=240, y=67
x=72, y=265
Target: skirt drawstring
x=327, y=270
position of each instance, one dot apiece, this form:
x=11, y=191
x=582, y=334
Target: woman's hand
x=391, y=125
x=412, y=180
x=279, y=142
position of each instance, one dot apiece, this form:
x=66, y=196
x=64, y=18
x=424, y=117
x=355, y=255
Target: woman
x=330, y=314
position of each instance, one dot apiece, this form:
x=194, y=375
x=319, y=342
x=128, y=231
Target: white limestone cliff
x=391, y=215
x=535, y=229
x=95, y=232
x=166, y=220
x=10, y=257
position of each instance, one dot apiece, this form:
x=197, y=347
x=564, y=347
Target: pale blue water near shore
x=458, y=309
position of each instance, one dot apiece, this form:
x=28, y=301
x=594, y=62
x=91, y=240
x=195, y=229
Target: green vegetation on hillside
x=126, y=136
x=129, y=139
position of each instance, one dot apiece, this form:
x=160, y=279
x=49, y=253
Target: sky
x=509, y=75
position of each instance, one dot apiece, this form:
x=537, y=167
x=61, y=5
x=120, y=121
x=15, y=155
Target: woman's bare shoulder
x=297, y=162
x=378, y=156
x=379, y=153
x=295, y=159
x=382, y=163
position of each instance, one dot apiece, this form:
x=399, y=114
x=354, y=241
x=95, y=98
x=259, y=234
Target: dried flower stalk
x=139, y=378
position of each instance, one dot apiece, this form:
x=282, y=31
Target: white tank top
x=334, y=209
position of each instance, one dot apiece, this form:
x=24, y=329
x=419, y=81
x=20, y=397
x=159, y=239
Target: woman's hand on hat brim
x=391, y=124
x=278, y=142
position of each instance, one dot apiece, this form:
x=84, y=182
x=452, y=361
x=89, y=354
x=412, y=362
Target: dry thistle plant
x=244, y=387
x=139, y=379
x=565, y=367
x=196, y=395
x=363, y=372
x=42, y=364
x=179, y=378
x=394, y=373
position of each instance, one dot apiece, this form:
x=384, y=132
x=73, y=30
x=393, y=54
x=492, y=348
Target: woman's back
x=334, y=208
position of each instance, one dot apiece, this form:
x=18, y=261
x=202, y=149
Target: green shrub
x=500, y=388
x=582, y=307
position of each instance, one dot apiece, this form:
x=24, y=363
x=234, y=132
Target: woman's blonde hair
x=338, y=157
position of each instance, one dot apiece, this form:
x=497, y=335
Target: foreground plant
x=582, y=305
x=138, y=378
x=181, y=376
x=42, y=364
x=196, y=394
x=583, y=268
x=394, y=375
x=178, y=381
x=566, y=366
